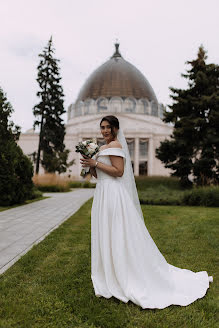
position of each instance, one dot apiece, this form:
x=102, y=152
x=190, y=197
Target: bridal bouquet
x=88, y=148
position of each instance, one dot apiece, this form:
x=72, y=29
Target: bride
x=125, y=261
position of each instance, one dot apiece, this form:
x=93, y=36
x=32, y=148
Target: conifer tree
x=16, y=169
x=49, y=111
x=194, y=144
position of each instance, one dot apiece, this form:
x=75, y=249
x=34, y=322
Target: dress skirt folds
x=125, y=261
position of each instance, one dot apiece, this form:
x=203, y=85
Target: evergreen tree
x=50, y=109
x=194, y=145
x=16, y=169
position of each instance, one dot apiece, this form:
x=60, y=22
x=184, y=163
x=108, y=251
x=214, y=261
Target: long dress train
x=125, y=261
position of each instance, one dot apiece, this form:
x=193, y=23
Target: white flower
x=92, y=145
x=91, y=148
x=84, y=142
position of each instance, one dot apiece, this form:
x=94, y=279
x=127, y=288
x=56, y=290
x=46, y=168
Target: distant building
x=118, y=88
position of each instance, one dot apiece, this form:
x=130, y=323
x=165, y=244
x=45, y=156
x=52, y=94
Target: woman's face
x=105, y=130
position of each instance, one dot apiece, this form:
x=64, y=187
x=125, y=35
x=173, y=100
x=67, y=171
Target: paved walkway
x=23, y=226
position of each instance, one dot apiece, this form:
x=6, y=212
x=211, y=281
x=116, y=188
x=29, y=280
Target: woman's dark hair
x=113, y=122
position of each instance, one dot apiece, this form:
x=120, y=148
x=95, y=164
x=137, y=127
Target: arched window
x=102, y=104
x=130, y=105
x=154, y=108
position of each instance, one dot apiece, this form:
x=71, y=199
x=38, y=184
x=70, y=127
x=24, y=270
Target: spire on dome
x=116, y=53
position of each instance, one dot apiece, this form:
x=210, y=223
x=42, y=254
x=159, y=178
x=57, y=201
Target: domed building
x=119, y=88
x=115, y=88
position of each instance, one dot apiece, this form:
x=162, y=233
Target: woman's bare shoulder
x=112, y=144
x=115, y=144
x=103, y=147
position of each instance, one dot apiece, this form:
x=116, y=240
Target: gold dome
x=117, y=77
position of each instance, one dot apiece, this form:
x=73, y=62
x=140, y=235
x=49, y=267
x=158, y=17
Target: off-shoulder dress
x=125, y=261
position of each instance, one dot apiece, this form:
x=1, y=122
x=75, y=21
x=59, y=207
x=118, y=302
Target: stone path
x=23, y=226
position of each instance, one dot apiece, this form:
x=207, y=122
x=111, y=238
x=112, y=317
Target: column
x=150, y=156
x=136, y=157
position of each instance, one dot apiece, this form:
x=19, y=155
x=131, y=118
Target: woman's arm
x=115, y=170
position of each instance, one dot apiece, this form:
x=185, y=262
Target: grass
x=50, y=286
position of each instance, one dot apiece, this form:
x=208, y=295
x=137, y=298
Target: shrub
x=198, y=196
x=16, y=169
x=88, y=184
x=160, y=196
x=75, y=184
x=202, y=196
x=36, y=193
x=81, y=184
x=16, y=173
x=144, y=182
x=53, y=188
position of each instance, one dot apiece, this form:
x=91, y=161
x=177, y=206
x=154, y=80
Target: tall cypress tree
x=194, y=145
x=49, y=110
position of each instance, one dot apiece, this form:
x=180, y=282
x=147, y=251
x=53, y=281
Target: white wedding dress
x=125, y=261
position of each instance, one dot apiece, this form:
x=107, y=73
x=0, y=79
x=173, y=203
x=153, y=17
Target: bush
x=144, y=182
x=16, y=173
x=16, y=169
x=160, y=196
x=198, y=196
x=53, y=188
x=202, y=196
x=75, y=184
x=36, y=193
x=82, y=184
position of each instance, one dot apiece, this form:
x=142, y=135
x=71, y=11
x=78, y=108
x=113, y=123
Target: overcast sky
x=157, y=36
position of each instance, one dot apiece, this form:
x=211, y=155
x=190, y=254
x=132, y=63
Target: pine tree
x=50, y=109
x=16, y=169
x=194, y=145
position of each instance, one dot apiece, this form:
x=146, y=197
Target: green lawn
x=50, y=286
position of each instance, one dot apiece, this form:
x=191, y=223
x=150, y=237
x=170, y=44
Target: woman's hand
x=86, y=161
